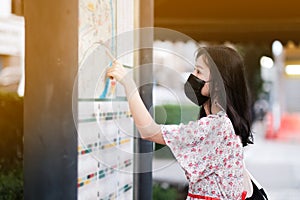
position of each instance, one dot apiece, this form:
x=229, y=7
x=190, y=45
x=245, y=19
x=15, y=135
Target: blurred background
x=265, y=32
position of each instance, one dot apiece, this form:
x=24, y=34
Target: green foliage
x=175, y=114
x=11, y=146
x=11, y=185
x=160, y=193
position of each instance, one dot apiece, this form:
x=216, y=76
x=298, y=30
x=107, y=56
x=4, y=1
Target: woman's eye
x=197, y=70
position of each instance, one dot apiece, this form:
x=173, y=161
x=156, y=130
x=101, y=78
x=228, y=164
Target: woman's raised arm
x=144, y=122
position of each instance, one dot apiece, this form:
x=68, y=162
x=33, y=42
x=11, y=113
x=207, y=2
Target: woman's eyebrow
x=198, y=66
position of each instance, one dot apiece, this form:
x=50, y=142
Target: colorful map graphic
x=96, y=33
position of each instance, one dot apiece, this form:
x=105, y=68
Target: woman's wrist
x=130, y=87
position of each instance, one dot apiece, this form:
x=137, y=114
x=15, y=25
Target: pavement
x=274, y=162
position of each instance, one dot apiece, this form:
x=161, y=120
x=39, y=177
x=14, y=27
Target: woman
x=210, y=150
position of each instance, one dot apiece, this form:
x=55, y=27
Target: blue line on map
x=105, y=90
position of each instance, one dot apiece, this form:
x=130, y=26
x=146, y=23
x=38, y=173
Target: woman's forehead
x=200, y=62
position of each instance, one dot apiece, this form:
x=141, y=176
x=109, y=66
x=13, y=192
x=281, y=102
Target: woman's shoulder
x=215, y=122
x=220, y=117
x=219, y=124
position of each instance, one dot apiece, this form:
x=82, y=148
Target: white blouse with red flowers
x=211, y=155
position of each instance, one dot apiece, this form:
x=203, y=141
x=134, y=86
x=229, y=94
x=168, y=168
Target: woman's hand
x=118, y=72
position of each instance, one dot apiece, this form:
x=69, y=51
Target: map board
x=105, y=126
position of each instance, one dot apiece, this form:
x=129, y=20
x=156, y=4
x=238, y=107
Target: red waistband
x=244, y=194
x=196, y=196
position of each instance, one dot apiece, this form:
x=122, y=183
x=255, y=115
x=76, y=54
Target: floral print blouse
x=211, y=155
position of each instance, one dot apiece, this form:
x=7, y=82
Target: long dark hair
x=236, y=99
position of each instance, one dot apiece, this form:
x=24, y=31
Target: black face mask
x=192, y=89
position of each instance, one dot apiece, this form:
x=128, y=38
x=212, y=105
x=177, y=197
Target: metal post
x=144, y=149
x=51, y=64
